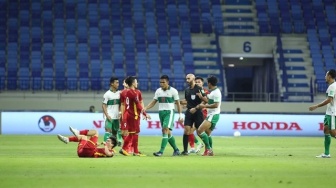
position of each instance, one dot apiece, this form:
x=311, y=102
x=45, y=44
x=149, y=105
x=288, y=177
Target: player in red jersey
x=123, y=126
x=137, y=131
x=87, y=143
x=133, y=109
x=192, y=138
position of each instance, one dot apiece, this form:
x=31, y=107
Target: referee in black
x=191, y=100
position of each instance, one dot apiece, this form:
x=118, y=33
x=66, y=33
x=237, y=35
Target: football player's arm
x=323, y=103
x=104, y=106
x=108, y=153
x=201, y=106
x=138, y=103
x=151, y=104
x=202, y=95
x=203, y=98
x=122, y=109
x=141, y=101
x=119, y=106
x=184, y=102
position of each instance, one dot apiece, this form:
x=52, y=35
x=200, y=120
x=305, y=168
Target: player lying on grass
x=87, y=143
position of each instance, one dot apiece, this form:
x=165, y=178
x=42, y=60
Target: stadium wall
x=81, y=101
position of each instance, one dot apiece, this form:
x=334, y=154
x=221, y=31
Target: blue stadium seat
x=95, y=83
x=71, y=83
x=84, y=84
x=143, y=83
x=24, y=78
x=2, y=78
x=36, y=79
x=48, y=79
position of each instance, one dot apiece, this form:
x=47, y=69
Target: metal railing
x=269, y=97
x=228, y=97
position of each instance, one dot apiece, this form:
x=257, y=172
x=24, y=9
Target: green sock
x=172, y=143
x=205, y=139
x=196, y=141
x=210, y=141
x=106, y=136
x=119, y=138
x=327, y=140
x=164, y=142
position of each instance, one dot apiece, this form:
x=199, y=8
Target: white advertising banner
x=247, y=124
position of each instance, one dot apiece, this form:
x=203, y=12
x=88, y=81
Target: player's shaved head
x=190, y=76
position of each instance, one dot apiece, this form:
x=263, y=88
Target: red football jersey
x=123, y=95
x=100, y=152
x=139, y=97
x=132, y=103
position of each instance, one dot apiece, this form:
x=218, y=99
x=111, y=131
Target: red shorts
x=133, y=124
x=87, y=148
x=123, y=123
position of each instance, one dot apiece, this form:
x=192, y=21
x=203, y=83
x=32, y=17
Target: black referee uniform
x=192, y=101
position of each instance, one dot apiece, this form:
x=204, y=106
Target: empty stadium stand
x=77, y=45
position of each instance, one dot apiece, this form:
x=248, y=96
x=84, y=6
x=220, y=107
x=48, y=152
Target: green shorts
x=330, y=122
x=213, y=119
x=167, y=119
x=114, y=125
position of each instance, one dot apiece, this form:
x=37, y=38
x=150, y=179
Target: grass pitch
x=44, y=161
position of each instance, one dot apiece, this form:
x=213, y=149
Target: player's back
x=131, y=101
x=123, y=95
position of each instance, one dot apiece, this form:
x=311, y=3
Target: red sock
x=130, y=147
x=123, y=137
x=73, y=139
x=135, y=143
x=127, y=141
x=84, y=132
x=191, y=140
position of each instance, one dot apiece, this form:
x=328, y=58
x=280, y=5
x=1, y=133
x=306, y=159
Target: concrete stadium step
x=201, y=54
x=298, y=81
x=211, y=63
x=207, y=71
x=305, y=98
x=299, y=64
x=307, y=72
x=298, y=89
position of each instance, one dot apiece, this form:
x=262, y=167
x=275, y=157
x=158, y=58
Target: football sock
x=73, y=139
x=172, y=143
x=210, y=141
x=191, y=140
x=84, y=132
x=127, y=141
x=164, y=142
x=106, y=136
x=185, y=142
x=135, y=142
x=197, y=141
x=119, y=138
x=205, y=139
x=130, y=146
x=327, y=140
